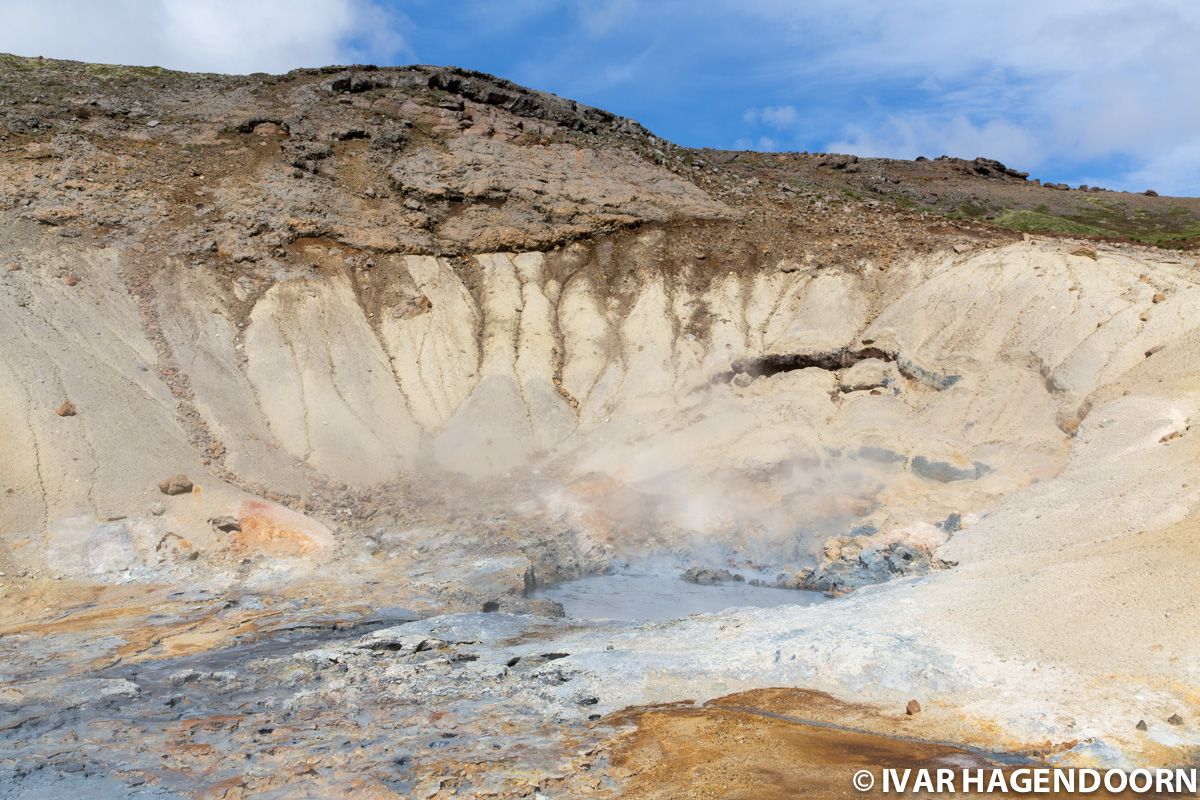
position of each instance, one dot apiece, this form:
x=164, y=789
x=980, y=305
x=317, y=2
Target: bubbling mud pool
x=650, y=597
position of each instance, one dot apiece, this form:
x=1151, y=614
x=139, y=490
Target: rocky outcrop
x=557, y=192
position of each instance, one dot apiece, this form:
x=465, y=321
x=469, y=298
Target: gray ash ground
x=388, y=708
x=479, y=704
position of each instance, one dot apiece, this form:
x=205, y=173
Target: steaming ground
x=1014, y=421
x=313, y=387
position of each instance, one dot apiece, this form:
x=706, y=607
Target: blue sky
x=1104, y=92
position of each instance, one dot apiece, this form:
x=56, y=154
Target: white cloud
x=1175, y=171
x=1031, y=81
x=206, y=35
x=764, y=143
x=909, y=136
x=774, y=116
x=602, y=16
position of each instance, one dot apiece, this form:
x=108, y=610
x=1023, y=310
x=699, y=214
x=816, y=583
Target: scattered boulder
x=1175, y=719
x=796, y=581
x=530, y=606
x=414, y=307
x=1158, y=297
x=226, y=524
x=704, y=576
x=851, y=562
x=1150, y=193
x=988, y=168
x=71, y=280
x=838, y=161
x=1141, y=726
x=912, y=708
x=157, y=508
x=268, y=125
x=177, y=484
x=55, y=215
x=67, y=409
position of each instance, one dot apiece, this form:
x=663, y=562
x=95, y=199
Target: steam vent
x=409, y=433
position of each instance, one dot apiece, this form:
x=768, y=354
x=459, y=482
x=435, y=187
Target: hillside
x=314, y=388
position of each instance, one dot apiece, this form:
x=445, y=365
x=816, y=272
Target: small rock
x=962, y=248
x=13, y=267
x=67, y=409
x=707, y=577
x=71, y=280
x=913, y=707
x=178, y=484
x=1141, y=726
x=226, y=524
x=55, y=215
x=157, y=508
x=152, y=123
x=1175, y=719
x=413, y=307
x=1158, y=297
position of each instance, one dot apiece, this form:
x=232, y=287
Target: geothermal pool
x=654, y=597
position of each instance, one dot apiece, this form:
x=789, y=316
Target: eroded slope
x=419, y=339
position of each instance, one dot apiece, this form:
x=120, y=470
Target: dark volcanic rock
x=177, y=484
x=705, y=576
